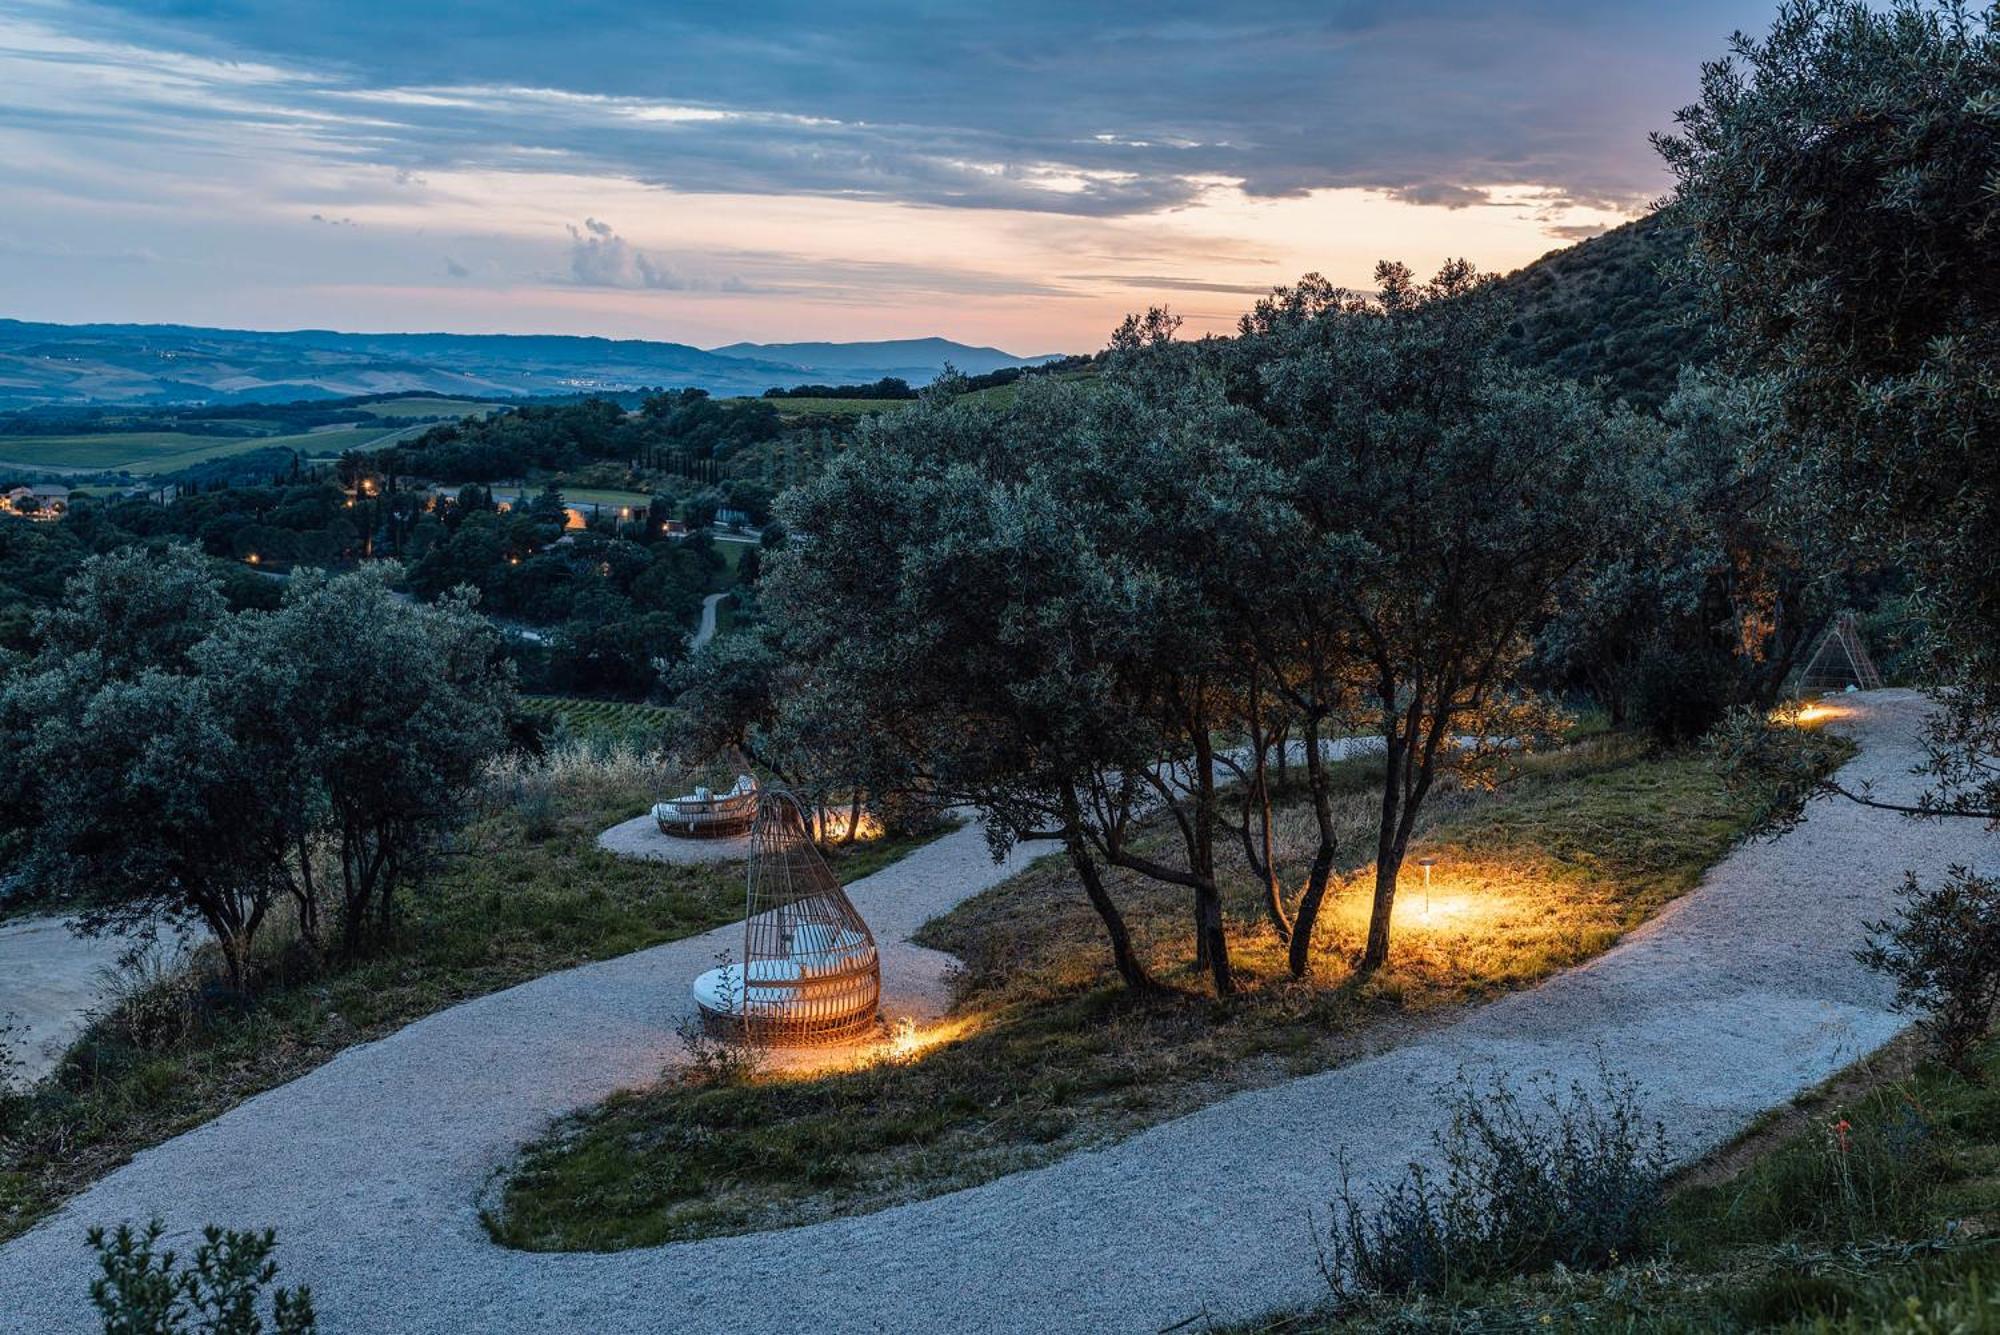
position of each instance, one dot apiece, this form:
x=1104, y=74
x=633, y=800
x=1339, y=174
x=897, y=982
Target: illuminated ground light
x=833, y=826
x=1459, y=901
x=1807, y=714
x=903, y=1040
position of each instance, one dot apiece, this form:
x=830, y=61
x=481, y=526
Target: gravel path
x=49, y=980
x=706, y=631
x=640, y=838
x=370, y=1168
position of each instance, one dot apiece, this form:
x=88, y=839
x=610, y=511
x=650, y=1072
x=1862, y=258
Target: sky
x=1019, y=175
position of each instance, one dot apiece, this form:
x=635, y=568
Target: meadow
x=157, y=452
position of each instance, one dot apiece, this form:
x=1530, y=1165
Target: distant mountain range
x=55, y=364
x=917, y=360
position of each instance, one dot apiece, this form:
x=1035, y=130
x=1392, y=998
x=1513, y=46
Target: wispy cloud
x=1062, y=109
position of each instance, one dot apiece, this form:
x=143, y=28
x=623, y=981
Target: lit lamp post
x=1427, y=864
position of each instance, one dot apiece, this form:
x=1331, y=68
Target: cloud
x=1171, y=284
x=455, y=269
x=599, y=257
x=334, y=222
x=1577, y=231
x=1061, y=110
x=1442, y=194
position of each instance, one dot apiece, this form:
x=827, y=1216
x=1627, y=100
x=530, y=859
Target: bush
x=1574, y=1179
x=1943, y=953
x=1678, y=695
x=151, y=1293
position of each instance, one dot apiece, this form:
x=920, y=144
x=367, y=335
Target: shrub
x=713, y=1060
x=1678, y=695
x=147, y=1292
x=1573, y=1178
x=1943, y=953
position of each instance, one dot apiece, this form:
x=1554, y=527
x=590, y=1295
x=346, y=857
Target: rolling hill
x=914, y=359
x=1603, y=309
x=52, y=364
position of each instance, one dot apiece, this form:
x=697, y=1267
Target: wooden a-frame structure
x=1841, y=660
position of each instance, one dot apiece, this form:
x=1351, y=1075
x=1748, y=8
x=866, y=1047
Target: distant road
x=707, y=630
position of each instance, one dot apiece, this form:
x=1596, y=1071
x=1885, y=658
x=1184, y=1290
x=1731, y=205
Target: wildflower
x=1840, y=1130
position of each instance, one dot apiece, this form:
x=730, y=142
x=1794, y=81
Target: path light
x=1427, y=864
x=252, y=558
x=903, y=1038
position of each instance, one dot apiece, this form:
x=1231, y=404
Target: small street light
x=1427, y=864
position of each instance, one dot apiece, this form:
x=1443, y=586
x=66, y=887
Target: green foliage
x=603, y=721
x=1109, y=577
x=1837, y=176
x=1576, y=1180
x=174, y=761
x=143, y=1291
x=1868, y=1209
x=1943, y=951
x=1679, y=695
x=1610, y=309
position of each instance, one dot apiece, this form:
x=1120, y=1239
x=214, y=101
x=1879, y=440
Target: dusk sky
x=1016, y=174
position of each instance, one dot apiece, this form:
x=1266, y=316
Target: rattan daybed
x=706, y=815
x=809, y=972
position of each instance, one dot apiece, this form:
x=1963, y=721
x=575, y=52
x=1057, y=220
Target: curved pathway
x=1730, y=1001
x=706, y=631
x=50, y=978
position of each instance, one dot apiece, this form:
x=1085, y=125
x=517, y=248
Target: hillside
x=51, y=364
x=915, y=359
x=1602, y=308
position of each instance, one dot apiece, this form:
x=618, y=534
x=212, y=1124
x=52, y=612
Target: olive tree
x=941, y=588
x=1422, y=500
x=175, y=764
x=1837, y=176
x=373, y=715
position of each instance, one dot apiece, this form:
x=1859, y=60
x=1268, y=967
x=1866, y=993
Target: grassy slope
x=169, y=451
x=1048, y=1055
x=528, y=892
x=1888, y=1225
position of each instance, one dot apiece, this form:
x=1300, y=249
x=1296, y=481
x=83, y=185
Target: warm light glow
x=253, y=558
x=833, y=826
x=907, y=1040
x=1803, y=715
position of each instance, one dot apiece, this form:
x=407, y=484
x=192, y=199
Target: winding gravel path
x=1733, y=999
x=49, y=980
x=640, y=838
x=706, y=631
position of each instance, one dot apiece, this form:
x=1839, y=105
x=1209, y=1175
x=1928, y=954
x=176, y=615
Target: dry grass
x=1048, y=1054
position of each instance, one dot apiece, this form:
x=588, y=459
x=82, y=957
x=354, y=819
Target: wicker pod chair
x=809, y=973
x=706, y=815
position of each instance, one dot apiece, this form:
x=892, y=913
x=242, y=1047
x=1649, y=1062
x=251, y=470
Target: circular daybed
x=809, y=972
x=706, y=815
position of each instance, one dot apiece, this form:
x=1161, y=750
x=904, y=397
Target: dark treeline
x=888, y=387
x=678, y=431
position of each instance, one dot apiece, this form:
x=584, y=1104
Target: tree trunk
x=1388, y=856
x=1214, y=938
x=1210, y=934
x=1129, y=968
x=1300, y=955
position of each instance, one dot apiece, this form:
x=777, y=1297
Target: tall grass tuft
x=1571, y=1177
